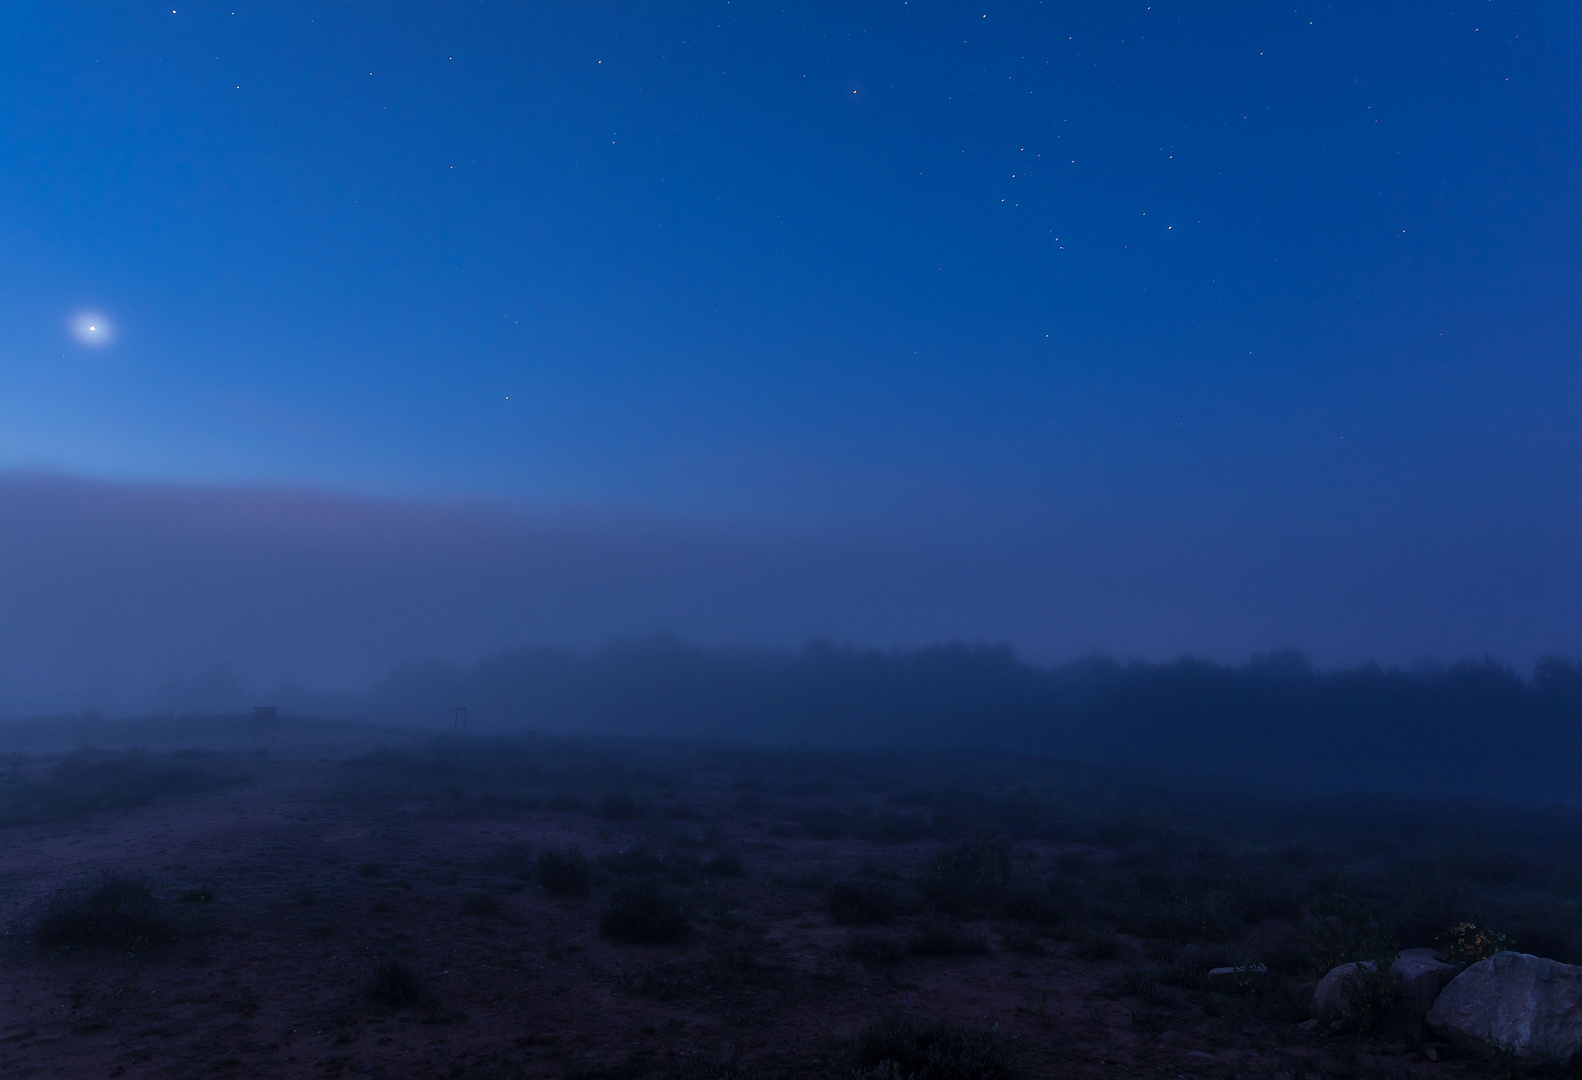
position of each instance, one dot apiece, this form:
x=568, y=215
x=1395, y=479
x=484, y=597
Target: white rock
x=1524, y=1004
x=1423, y=973
x=1329, y=996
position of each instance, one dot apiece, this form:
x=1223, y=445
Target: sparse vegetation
x=481, y=904
x=89, y=781
x=968, y=879
x=935, y=937
x=115, y=912
x=902, y=1048
x=644, y=913
x=393, y=984
x=875, y=948
x=618, y=806
x=724, y=864
x=861, y=903
x=564, y=872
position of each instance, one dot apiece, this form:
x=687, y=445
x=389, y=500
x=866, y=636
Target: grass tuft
x=564, y=872
x=393, y=983
x=861, y=903
x=933, y=938
x=903, y=1048
x=643, y=913
x=117, y=912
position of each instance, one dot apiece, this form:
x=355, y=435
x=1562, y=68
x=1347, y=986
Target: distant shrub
x=725, y=864
x=875, y=948
x=903, y=1048
x=618, y=806
x=565, y=872
x=565, y=801
x=968, y=879
x=639, y=861
x=201, y=895
x=864, y=903
x=117, y=912
x=643, y=913
x=515, y=860
x=1097, y=943
x=89, y=781
x=479, y=903
x=1021, y=940
x=934, y=938
x=393, y=983
x=1045, y=906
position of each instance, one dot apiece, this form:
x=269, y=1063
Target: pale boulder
x=1523, y=1004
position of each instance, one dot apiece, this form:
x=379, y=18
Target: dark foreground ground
x=341, y=902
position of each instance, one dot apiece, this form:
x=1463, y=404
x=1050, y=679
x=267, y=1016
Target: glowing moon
x=92, y=328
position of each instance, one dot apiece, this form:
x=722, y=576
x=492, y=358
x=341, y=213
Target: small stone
x=1308, y=1025
x=1430, y=1053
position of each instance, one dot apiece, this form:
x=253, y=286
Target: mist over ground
x=137, y=600
x=132, y=598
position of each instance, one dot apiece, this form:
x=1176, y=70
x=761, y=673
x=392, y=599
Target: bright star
x=92, y=328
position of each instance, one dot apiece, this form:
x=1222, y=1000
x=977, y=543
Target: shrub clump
x=947, y=939
x=393, y=983
x=968, y=879
x=643, y=913
x=119, y=912
x=566, y=802
x=725, y=864
x=618, y=806
x=565, y=872
x=902, y=1048
x=481, y=904
x=853, y=903
x=875, y=948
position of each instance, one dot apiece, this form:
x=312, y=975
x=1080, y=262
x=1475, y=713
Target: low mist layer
x=1472, y=728
x=131, y=598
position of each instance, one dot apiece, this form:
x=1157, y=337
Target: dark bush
x=969, y=879
x=515, y=860
x=903, y=1048
x=1047, y=906
x=118, y=912
x=481, y=904
x=618, y=806
x=638, y=861
x=1098, y=943
x=725, y=864
x=393, y=983
x=565, y=801
x=861, y=903
x=564, y=872
x=875, y=948
x=1021, y=940
x=935, y=938
x=643, y=913
x=201, y=895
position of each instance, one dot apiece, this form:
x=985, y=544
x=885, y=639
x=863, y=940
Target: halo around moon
x=92, y=328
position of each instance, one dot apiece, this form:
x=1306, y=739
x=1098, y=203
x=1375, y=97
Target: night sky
x=1149, y=329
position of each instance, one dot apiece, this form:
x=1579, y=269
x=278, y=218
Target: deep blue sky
x=1178, y=274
